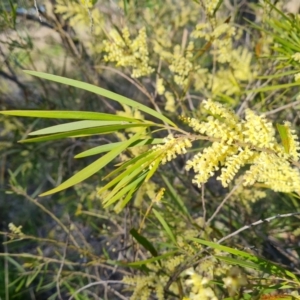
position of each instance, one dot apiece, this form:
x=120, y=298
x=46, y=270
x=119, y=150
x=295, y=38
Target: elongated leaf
x=164, y=225
x=249, y=256
x=143, y=241
x=125, y=179
x=123, y=202
x=123, y=191
x=151, y=260
x=241, y=263
x=21, y=285
x=224, y=248
x=136, y=164
x=154, y=167
x=124, y=165
x=283, y=132
x=95, y=166
x=174, y=195
x=108, y=147
x=102, y=92
x=278, y=75
x=75, y=126
x=61, y=114
x=82, y=132
x=274, y=87
x=34, y=275
x=134, y=170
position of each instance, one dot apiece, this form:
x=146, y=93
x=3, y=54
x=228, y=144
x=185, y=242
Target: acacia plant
x=213, y=83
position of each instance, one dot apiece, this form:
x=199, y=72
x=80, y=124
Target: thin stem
x=257, y=223
x=62, y=264
x=203, y=204
x=223, y=202
x=6, y=271
x=99, y=283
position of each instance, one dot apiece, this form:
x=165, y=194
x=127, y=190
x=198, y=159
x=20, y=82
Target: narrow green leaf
x=82, y=132
x=102, y=92
x=34, y=275
x=152, y=259
x=224, y=248
x=16, y=264
x=98, y=150
x=174, y=195
x=278, y=75
x=75, y=115
x=123, y=202
x=136, y=164
x=126, y=164
x=143, y=241
x=20, y=285
x=135, y=169
x=154, y=167
x=283, y=132
x=108, y=147
x=95, y=166
x=274, y=87
x=164, y=225
x=75, y=126
x=122, y=192
x=240, y=253
x=12, y=284
x=242, y=263
x=125, y=177
x=217, y=7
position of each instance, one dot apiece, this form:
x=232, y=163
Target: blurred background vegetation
x=65, y=38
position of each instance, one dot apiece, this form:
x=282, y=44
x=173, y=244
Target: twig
x=267, y=220
x=203, y=203
x=13, y=79
x=37, y=10
x=116, y=293
x=103, y=282
x=34, y=18
x=252, y=94
x=40, y=258
x=62, y=263
x=281, y=108
x=44, y=209
x=6, y=274
x=223, y=202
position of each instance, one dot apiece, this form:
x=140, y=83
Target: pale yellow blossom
x=296, y=56
x=160, y=86
x=170, y=103
x=172, y=147
x=199, y=288
x=129, y=53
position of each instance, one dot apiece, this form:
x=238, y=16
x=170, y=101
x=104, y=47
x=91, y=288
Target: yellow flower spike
x=126, y=52
x=159, y=195
x=235, y=280
x=172, y=148
x=15, y=230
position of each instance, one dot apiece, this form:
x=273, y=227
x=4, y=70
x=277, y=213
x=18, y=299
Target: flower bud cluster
x=221, y=37
x=172, y=147
x=129, y=53
x=181, y=64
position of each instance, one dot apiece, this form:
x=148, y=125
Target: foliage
x=213, y=130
